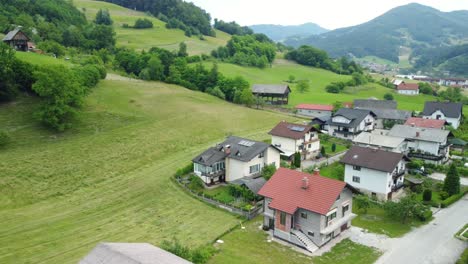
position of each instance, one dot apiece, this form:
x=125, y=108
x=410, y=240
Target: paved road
x=441, y=177
x=433, y=243
x=310, y=163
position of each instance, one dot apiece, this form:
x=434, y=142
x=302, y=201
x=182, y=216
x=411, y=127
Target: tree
x=101, y=37
x=246, y=97
x=427, y=195
x=333, y=147
x=143, y=23
x=155, y=68
x=388, y=97
x=291, y=78
x=362, y=202
x=297, y=160
x=452, y=181
x=322, y=151
x=103, y=18
x=404, y=210
x=259, y=102
x=303, y=86
x=425, y=88
x=337, y=106
x=268, y=171
x=182, y=50
x=61, y=94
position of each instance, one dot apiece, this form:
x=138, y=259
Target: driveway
x=432, y=243
x=441, y=177
x=313, y=163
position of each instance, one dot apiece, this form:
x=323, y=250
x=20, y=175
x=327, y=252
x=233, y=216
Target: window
x=304, y=215
x=283, y=218
x=310, y=234
x=345, y=209
x=357, y=168
x=331, y=217
x=254, y=168
x=261, y=155
x=356, y=179
x=310, y=145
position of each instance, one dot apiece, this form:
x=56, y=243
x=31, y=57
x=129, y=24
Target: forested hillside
x=405, y=26
x=176, y=13
x=54, y=21
x=453, y=59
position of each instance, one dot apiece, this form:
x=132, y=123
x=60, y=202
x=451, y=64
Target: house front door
x=344, y=227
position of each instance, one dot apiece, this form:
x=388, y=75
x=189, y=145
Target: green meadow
x=144, y=39
x=108, y=178
x=319, y=79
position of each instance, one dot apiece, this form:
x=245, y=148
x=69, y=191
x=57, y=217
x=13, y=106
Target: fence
x=249, y=214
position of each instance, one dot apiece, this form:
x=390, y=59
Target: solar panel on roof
x=246, y=143
x=297, y=128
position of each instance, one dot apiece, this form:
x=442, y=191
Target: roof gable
x=408, y=86
x=285, y=190
x=370, y=158
x=453, y=110
x=318, y=107
x=355, y=115
x=380, y=104
x=13, y=35
x=290, y=130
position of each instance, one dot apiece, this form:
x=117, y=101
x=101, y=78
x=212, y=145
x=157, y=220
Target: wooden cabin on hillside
x=17, y=39
x=276, y=94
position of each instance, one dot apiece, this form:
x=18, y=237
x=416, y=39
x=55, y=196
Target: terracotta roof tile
x=408, y=86
x=285, y=190
x=319, y=107
x=290, y=130
x=427, y=123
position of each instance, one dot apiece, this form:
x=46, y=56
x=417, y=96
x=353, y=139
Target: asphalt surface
x=433, y=243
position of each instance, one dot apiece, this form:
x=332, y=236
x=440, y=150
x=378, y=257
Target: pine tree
x=297, y=160
x=452, y=181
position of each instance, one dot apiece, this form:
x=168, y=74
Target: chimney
x=417, y=133
x=227, y=149
x=305, y=183
x=412, y=124
x=316, y=172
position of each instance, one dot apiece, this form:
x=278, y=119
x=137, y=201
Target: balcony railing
x=398, y=173
x=426, y=155
x=213, y=174
x=397, y=187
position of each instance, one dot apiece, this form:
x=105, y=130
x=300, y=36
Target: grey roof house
x=272, y=93
x=233, y=159
x=429, y=144
x=451, y=112
x=378, y=141
x=385, y=110
x=347, y=123
x=130, y=253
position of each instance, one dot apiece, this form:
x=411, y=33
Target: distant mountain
x=412, y=26
x=280, y=33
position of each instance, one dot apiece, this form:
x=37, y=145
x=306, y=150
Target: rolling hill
x=108, y=178
x=281, y=33
x=144, y=39
x=412, y=26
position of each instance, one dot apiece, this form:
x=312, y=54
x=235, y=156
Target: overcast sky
x=330, y=14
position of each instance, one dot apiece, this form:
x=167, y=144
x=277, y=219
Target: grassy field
x=107, y=179
x=376, y=221
x=319, y=79
x=250, y=245
x=375, y=59
x=40, y=59
x=158, y=36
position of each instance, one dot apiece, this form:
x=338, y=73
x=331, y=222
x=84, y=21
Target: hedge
x=447, y=202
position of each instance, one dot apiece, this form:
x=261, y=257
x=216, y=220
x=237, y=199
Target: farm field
x=108, y=178
x=319, y=79
x=144, y=39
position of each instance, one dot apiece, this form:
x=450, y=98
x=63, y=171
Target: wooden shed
x=17, y=39
x=277, y=94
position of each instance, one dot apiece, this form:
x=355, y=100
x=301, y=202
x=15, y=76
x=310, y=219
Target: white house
x=375, y=172
x=429, y=144
x=348, y=123
x=450, y=112
x=383, y=142
x=234, y=159
x=307, y=210
x=408, y=88
x=292, y=138
x=315, y=110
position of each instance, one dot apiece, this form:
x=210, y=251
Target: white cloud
x=330, y=14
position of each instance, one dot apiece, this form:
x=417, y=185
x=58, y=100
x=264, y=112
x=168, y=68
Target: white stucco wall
x=236, y=169
x=424, y=146
x=371, y=180
x=455, y=122
x=314, y=113
x=286, y=144
x=408, y=92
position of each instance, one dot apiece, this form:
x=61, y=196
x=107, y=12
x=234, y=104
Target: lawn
x=348, y=252
x=41, y=59
x=333, y=171
x=220, y=193
x=376, y=221
x=158, y=36
x=319, y=79
x=328, y=147
x=108, y=178
x=250, y=245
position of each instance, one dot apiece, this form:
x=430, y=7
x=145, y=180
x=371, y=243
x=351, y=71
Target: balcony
x=213, y=174
x=427, y=156
x=397, y=187
x=397, y=174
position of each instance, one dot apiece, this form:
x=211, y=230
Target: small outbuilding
x=17, y=39
x=276, y=94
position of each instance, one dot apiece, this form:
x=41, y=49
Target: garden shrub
x=452, y=199
x=196, y=184
x=4, y=138
x=241, y=192
x=197, y=255
x=443, y=195
x=427, y=195
x=424, y=215
x=268, y=171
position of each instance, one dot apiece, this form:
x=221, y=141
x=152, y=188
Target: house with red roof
x=292, y=138
x=307, y=210
x=315, y=110
x=425, y=123
x=408, y=88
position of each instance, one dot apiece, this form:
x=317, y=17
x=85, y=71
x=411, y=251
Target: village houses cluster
x=309, y=210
